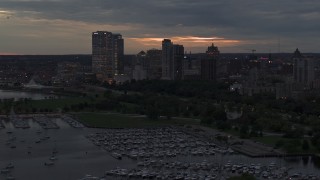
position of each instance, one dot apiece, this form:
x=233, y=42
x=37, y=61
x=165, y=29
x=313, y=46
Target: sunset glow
x=5, y=14
x=188, y=41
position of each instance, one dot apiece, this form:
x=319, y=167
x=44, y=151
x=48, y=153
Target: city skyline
x=64, y=27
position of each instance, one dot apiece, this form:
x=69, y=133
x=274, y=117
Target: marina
x=153, y=169
x=168, y=153
x=143, y=153
x=72, y=122
x=19, y=122
x=45, y=122
x=156, y=143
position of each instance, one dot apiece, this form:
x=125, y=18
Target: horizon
x=77, y=54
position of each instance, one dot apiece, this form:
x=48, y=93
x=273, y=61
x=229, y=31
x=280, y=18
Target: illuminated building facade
x=107, y=54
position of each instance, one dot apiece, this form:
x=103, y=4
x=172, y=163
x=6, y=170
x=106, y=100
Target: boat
x=49, y=163
x=4, y=171
x=116, y=155
x=10, y=166
x=54, y=151
x=10, y=178
x=53, y=158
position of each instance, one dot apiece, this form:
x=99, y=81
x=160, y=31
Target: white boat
x=53, y=158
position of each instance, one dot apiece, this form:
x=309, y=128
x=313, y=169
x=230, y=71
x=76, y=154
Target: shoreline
x=44, y=91
x=246, y=147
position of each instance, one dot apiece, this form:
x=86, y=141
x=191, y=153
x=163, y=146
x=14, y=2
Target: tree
x=207, y=120
x=305, y=145
x=152, y=112
x=244, y=131
x=298, y=132
x=107, y=94
x=223, y=125
x=292, y=146
x=220, y=114
x=279, y=144
x=65, y=109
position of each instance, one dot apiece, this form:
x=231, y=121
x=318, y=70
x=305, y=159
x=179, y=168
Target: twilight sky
x=65, y=26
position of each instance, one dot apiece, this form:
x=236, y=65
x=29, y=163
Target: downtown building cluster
x=286, y=76
x=170, y=63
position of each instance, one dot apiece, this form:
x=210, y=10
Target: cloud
x=189, y=41
x=255, y=23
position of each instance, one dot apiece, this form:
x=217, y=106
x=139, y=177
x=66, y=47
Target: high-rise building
x=118, y=50
x=209, y=63
x=191, y=67
x=139, y=70
x=167, y=59
x=154, y=57
x=303, y=68
x=178, y=56
x=141, y=59
x=107, y=54
x=172, y=60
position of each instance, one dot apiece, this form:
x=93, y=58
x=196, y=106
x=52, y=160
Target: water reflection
x=18, y=95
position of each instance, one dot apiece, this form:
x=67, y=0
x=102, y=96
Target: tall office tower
x=167, y=59
x=209, y=63
x=178, y=55
x=303, y=68
x=141, y=59
x=107, y=54
x=191, y=67
x=172, y=59
x=139, y=70
x=154, y=57
x=118, y=50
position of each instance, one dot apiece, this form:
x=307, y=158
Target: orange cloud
x=188, y=41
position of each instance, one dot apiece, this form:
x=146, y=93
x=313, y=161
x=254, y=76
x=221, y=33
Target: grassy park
x=112, y=120
x=158, y=104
